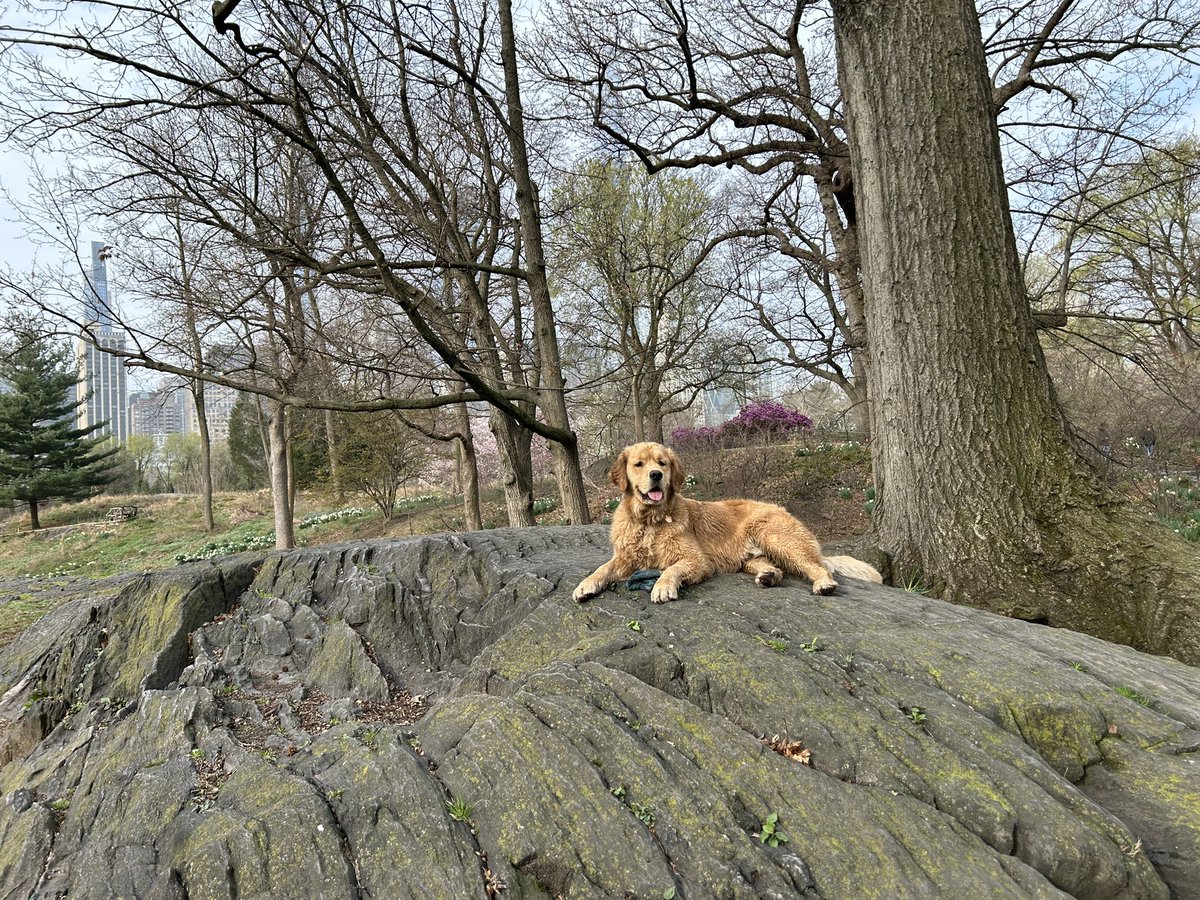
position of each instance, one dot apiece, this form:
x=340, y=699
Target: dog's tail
x=854, y=568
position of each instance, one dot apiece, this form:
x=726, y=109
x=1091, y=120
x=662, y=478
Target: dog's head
x=648, y=473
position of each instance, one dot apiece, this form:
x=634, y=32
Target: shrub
x=762, y=419
x=766, y=418
x=702, y=438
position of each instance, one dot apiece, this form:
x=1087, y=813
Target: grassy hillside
x=823, y=484
x=826, y=485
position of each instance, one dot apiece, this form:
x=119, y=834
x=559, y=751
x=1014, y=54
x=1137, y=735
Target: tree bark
x=513, y=443
x=206, y=479
x=34, y=522
x=552, y=398
x=277, y=465
x=468, y=468
x=981, y=493
x=331, y=447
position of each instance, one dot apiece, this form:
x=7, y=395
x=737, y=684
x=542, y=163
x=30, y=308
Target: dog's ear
x=677, y=473
x=617, y=474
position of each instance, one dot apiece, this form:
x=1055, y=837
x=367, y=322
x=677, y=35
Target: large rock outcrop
x=435, y=717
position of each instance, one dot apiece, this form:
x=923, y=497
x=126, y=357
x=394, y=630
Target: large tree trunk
x=981, y=494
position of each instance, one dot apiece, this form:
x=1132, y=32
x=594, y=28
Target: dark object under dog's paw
x=643, y=580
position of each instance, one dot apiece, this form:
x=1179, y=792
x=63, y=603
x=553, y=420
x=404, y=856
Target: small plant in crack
x=1130, y=694
x=915, y=714
x=634, y=625
x=459, y=810
x=1078, y=666
x=812, y=646
x=779, y=645
x=643, y=812
x=772, y=835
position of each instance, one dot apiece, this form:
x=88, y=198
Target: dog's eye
x=638, y=464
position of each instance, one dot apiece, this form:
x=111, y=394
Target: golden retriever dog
x=656, y=527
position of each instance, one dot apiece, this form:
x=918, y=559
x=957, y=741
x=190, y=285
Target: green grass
x=167, y=528
x=1130, y=694
x=1176, y=501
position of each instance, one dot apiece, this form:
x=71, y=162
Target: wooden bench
x=121, y=513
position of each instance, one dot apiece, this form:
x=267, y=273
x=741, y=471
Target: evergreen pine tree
x=43, y=455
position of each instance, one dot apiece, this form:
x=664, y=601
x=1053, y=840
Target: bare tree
x=981, y=489
x=634, y=259
x=378, y=105
x=753, y=87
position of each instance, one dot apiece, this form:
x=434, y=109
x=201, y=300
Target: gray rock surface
x=435, y=717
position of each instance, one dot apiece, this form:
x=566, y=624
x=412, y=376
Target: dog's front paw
x=664, y=592
x=769, y=578
x=824, y=585
x=588, y=588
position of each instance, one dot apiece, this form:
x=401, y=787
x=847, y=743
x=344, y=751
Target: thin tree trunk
x=197, y=385
x=639, y=420
x=285, y=535
x=264, y=438
x=469, y=470
x=513, y=442
x=858, y=416
x=289, y=445
x=34, y=522
x=331, y=448
x=981, y=493
x=552, y=398
x=206, y=479
x=652, y=415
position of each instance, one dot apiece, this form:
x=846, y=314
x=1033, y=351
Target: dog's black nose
x=655, y=475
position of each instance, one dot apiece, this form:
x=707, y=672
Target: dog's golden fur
x=656, y=527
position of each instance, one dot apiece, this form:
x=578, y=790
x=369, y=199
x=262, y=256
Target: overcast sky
x=22, y=252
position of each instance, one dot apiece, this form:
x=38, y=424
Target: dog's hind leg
x=766, y=574
x=793, y=548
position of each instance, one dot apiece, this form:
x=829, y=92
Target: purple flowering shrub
x=766, y=418
x=757, y=420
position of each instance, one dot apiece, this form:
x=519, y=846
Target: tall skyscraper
x=95, y=296
x=101, y=374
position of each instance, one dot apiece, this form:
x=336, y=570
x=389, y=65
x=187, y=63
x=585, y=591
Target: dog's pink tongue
x=655, y=494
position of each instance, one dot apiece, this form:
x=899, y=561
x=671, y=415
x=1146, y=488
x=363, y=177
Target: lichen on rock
x=259, y=727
